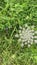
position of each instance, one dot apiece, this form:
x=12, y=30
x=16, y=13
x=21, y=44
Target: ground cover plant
x=18, y=32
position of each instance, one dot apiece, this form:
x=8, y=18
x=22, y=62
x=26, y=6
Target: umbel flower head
x=26, y=35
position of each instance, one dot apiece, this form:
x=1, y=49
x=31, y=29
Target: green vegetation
x=15, y=13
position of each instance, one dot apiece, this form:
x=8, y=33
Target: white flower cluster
x=26, y=35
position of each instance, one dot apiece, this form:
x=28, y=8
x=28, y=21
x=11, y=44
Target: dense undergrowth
x=12, y=15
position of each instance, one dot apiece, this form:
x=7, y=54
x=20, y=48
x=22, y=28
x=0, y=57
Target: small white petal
x=20, y=34
x=19, y=31
x=28, y=45
x=19, y=40
x=20, y=27
x=32, y=27
x=23, y=29
x=28, y=41
x=35, y=41
x=22, y=45
x=35, y=36
x=16, y=35
x=31, y=43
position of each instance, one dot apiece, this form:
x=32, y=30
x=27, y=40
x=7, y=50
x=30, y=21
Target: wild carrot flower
x=26, y=35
